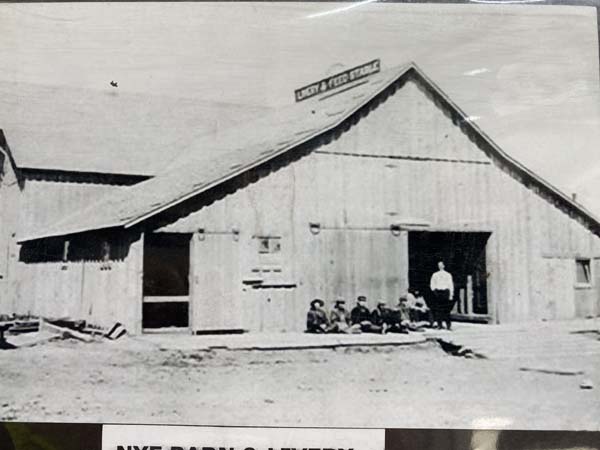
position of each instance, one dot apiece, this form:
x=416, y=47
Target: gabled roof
x=246, y=146
x=107, y=131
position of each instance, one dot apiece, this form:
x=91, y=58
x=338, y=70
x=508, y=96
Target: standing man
x=442, y=288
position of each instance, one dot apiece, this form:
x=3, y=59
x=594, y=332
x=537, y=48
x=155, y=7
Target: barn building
x=357, y=191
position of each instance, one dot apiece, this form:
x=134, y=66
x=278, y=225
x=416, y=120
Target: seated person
x=316, y=318
x=404, y=315
x=380, y=316
x=418, y=309
x=360, y=315
x=388, y=318
x=340, y=319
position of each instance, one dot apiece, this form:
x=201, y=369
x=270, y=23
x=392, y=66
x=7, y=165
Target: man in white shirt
x=442, y=287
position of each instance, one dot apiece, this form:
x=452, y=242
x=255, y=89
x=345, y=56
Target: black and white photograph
x=301, y=214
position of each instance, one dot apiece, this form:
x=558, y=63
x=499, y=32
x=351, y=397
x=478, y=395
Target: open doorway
x=463, y=254
x=166, y=286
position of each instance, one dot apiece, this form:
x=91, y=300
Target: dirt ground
x=414, y=386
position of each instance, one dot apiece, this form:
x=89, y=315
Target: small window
x=269, y=245
x=263, y=245
x=275, y=245
x=583, y=272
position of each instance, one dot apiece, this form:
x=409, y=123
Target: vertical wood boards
x=9, y=206
x=49, y=289
x=116, y=293
x=49, y=201
x=595, y=300
x=434, y=173
x=354, y=262
x=586, y=302
x=405, y=160
x=217, y=289
x=100, y=292
x=274, y=311
x=560, y=280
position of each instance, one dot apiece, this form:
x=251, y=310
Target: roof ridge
x=236, y=159
x=172, y=176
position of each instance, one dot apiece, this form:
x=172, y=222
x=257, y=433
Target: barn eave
x=339, y=124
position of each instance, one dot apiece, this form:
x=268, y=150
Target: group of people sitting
x=410, y=314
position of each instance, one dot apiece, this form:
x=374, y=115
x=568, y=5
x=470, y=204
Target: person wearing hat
x=404, y=309
x=360, y=315
x=392, y=319
x=340, y=319
x=316, y=318
x=381, y=316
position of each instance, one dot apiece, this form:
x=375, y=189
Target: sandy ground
x=131, y=380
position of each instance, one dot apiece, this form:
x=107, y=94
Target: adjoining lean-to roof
x=107, y=131
x=246, y=146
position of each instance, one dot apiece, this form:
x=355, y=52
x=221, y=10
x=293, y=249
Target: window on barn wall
x=268, y=265
x=269, y=244
x=583, y=272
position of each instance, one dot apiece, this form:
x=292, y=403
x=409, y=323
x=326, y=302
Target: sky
x=528, y=75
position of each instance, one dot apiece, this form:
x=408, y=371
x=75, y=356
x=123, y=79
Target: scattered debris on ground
x=593, y=334
x=18, y=325
x=117, y=331
x=552, y=371
x=18, y=332
x=65, y=332
x=33, y=339
x=458, y=350
x=3, y=344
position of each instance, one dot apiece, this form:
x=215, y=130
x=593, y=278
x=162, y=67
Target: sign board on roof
x=337, y=80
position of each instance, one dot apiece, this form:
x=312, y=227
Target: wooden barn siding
x=46, y=201
x=9, y=194
x=344, y=191
x=100, y=292
x=216, y=297
x=57, y=289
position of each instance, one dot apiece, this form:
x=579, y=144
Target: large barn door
x=464, y=255
x=216, y=286
x=345, y=263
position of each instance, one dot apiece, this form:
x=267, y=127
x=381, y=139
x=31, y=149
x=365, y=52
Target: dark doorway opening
x=165, y=314
x=463, y=254
x=166, y=280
